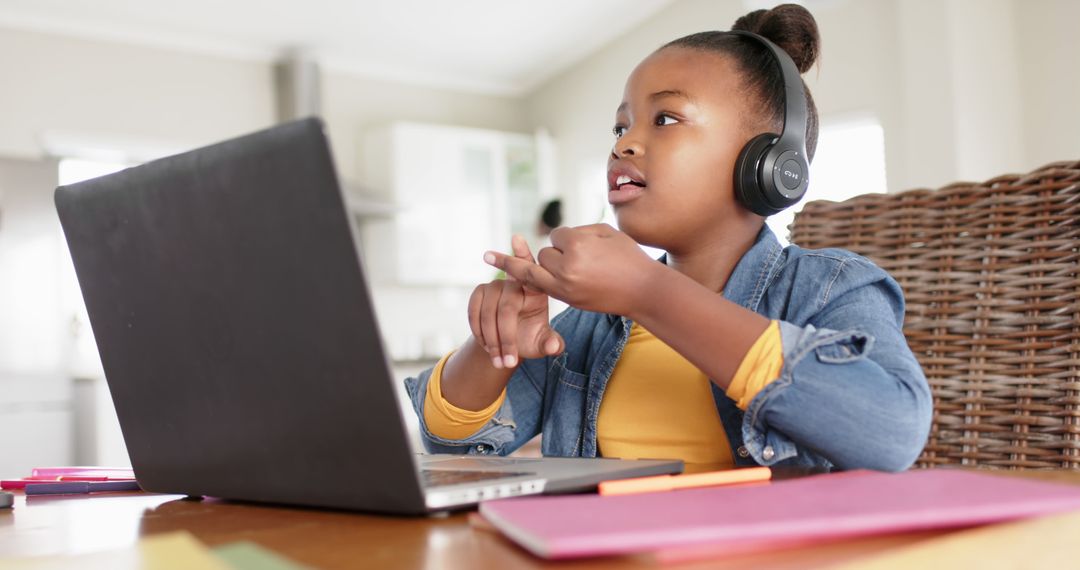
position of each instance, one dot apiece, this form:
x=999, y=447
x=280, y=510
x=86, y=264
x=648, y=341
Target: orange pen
x=672, y=482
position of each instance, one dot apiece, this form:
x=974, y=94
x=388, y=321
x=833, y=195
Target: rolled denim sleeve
x=850, y=389
x=506, y=430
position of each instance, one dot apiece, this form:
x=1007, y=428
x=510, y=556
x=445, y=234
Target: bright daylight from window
x=850, y=160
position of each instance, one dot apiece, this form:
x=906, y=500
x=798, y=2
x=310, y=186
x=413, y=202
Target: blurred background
x=453, y=124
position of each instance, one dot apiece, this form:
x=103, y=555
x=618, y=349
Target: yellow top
x=656, y=403
x=447, y=420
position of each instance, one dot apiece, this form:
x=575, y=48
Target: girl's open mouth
x=625, y=182
x=625, y=190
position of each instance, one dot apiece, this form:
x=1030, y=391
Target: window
x=74, y=170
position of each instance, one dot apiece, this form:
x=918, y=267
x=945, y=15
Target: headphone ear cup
x=749, y=187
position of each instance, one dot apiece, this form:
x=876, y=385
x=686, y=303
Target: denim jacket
x=850, y=394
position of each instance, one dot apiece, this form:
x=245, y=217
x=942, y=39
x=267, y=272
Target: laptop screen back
x=235, y=328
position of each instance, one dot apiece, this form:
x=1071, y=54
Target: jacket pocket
x=566, y=412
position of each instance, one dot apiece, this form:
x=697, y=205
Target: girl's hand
x=510, y=320
x=595, y=268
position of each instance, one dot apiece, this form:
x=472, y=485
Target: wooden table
x=331, y=539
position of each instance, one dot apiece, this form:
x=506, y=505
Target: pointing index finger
x=528, y=272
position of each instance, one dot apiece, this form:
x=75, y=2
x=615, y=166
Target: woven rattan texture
x=991, y=276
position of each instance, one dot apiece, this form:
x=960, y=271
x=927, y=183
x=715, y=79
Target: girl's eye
x=618, y=131
x=665, y=120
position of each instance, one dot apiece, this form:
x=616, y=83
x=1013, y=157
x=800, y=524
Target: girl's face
x=678, y=131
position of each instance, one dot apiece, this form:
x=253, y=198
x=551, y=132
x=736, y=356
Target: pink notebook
x=823, y=507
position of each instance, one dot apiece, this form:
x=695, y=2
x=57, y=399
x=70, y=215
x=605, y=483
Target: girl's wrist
x=649, y=295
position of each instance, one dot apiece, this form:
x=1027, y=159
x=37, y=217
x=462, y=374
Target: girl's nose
x=627, y=146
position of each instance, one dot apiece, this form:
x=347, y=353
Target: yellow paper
x=170, y=551
x=1047, y=542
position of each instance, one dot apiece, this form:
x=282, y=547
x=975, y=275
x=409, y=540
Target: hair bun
x=789, y=26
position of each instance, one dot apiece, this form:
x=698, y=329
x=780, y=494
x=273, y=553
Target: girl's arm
x=598, y=268
x=849, y=390
x=713, y=333
x=469, y=381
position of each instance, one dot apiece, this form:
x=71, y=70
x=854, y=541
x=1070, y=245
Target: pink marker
x=82, y=471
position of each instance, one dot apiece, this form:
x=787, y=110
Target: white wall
x=987, y=107
x=110, y=91
x=31, y=292
x=35, y=343
x=1049, y=45
x=86, y=90
x=921, y=137
x=961, y=106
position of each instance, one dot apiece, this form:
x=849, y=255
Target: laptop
x=238, y=339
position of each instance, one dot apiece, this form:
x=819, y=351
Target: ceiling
x=492, y=46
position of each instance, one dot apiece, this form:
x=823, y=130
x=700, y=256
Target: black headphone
x=772, y=172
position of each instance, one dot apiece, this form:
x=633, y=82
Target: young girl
x=729, y=350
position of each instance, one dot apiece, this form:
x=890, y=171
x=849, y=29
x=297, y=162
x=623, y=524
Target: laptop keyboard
x=439, y=477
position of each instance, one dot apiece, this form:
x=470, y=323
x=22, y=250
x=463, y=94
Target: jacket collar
x=755, y=270
x=752, y=273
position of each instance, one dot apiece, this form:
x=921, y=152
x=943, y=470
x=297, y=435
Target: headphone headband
x=794, y=97
x=772, y=172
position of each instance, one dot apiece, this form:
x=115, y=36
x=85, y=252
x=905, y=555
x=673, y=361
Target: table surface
x=335, y=539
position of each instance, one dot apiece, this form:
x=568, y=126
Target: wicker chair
x=991, y=275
